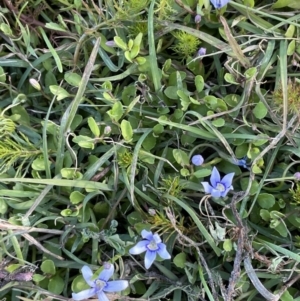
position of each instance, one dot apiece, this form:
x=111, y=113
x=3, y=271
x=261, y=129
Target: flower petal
x=149, y=258
x=162, y=251
x=227, y=180
x=147, y=234
x=207, y=187
x=215, y=193
x=219, y=3
x=224, y=193
x=84, y=294
x=156, y=238
x=139, y=248
x=87, y=275
x=102, y=296
x=115, y=286
x=215, y=177
x=107, y=272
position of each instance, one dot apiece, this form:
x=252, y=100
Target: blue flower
x=201, y=51
x=99, y=285
x=218, y=187
x=297, y=176
x=197, y=19
x=241, y=162
x=197, y=160
x=152, y=245
x=219, y=3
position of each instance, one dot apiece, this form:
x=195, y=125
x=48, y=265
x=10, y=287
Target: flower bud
x=107, y=130
x=110, y=44
x=151, y=211
x=197, y=160
x=201, y=51
x=197, y=19
x=297, y=176
x=35, y=84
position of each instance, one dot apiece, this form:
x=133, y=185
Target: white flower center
x=100, y=284
x=152, y=246
x=220, y=187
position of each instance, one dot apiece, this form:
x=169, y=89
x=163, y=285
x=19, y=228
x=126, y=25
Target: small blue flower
x=297, y=176
x=219, y=3
x=201, y=51
x=241, y=162
x=197, y=160
x=197, y=19
x=99, y=285
x=152, y=245
x=218, y=187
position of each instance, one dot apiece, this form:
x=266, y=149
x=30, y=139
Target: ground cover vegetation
x=149, y=150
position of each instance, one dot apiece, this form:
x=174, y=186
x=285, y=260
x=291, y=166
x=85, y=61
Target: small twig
x=239, y=251
x=4, y=225
x=39, y=246
x=192, y=243
x=257, y=283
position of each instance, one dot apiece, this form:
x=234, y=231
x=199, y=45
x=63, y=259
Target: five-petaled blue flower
x=99, y=285
x=152, y=245
x=197, y=160
x=219, y=3
x=218, y=187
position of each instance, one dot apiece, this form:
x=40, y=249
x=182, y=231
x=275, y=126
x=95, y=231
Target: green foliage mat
x=113, y=114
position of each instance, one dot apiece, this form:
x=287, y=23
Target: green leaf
x=227, y=245
x=202, y=173
x=55, y=26
x=84, y=141
x=199, y=82
x=185, y=100
x=73, y=79
x=56, y=285
x=181, y=157
x=277, y=223
x=158, y=129
x=2, y=75
x=3, y=206
x=180, y=260
x=120, y=43
x=250, y=73
x=260, y=111
x=184, y=172
x=70, y=173
x=39, y=164
x=171, y=92
x=140, y=60
x=93, y=126
x=59, y=92
x=290, y=31
x=48, y=267
x=230, y=79
x=266, y=200
x=265, y=215
x=134, y=217
x=291, y=48
x=232, y=100
x=116, y=112
x=219, y=122
x=6, y=29
x=286, y=3
x=76, y=197
x=126, y=129
x=254, y=186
